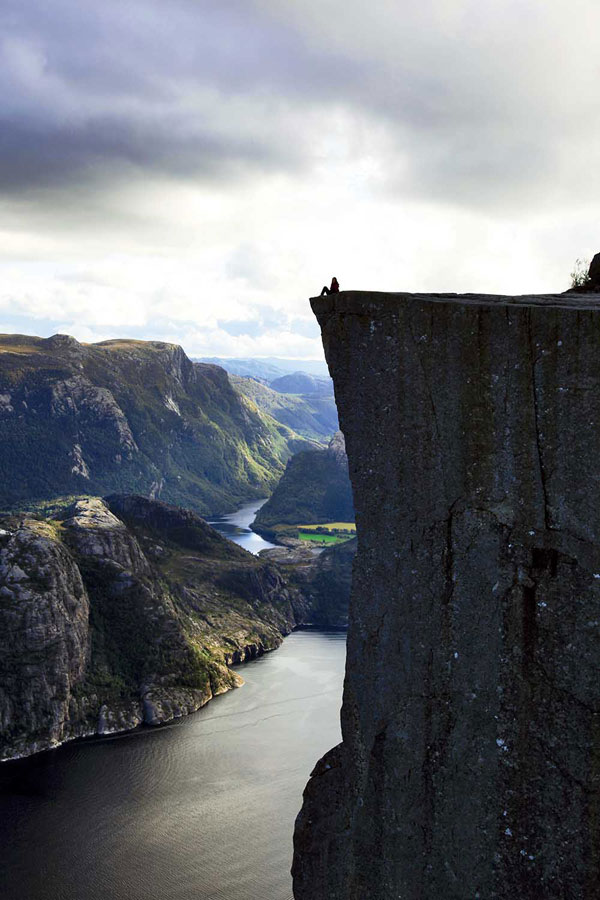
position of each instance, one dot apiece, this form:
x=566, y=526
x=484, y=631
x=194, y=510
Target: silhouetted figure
x=334, y=289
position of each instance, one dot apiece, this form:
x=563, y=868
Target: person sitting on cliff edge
x=334, y=289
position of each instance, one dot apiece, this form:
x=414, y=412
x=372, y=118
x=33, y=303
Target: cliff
x=314, y=488
x=133, y=416
x=322, y=578
x=121, y=612
x=469, y=765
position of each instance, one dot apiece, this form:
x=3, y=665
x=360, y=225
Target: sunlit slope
x=130, y=415
x=312, y=416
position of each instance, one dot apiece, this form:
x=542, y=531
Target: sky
x=193, y=171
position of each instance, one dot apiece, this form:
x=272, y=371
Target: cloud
x=469, y=103
x=200, y=168
x=120, y=91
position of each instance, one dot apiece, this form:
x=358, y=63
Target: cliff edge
x=470, y=762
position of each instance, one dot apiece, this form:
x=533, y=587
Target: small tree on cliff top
x=579, y=276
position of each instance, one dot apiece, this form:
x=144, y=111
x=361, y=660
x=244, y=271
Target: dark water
x=200, y=810
x=235, y=526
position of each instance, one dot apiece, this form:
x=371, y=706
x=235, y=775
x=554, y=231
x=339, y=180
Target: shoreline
x=142, y=726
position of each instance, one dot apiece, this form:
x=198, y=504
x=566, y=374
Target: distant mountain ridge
x=133, y=416
x=267, y=368
x=304, y=384
x=313, y=417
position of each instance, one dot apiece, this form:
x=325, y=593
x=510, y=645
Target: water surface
x=236, y=527
x=199, y=810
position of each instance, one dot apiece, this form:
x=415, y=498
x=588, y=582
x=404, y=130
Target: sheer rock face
x=470, y=762
x=44, y=637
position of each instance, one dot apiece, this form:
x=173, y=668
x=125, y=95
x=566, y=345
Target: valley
x=130, y=416
x=120, y=613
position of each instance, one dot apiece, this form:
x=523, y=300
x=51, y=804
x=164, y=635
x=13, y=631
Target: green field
x=327, y=533
x=320, y=538
x=330, y=526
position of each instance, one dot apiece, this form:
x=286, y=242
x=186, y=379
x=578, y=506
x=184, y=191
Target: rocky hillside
x=133, y=416
x=124, y=611
x=313, y=417
x=314, y=488
x=323, y=578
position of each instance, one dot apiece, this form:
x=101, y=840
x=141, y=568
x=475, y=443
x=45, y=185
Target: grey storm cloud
x=94, y=89
x=458, y=104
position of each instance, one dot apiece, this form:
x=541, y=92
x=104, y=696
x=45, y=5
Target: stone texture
x=322, y=577
x=594, y=271
x=470, y=762
x=44, y=637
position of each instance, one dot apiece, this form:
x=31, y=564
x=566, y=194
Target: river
x=202, y=809
x=236, y=526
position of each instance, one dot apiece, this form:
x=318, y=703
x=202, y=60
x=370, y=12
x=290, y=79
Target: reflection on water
x=199, y=810
x=235, y=526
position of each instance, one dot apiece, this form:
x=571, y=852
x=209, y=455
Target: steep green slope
x=314, y=488
x=125, y=611
x=130, y=416
x=312, y=417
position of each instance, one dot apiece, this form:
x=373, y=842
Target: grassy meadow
x=327, y=533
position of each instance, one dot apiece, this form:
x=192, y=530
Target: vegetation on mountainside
x=130, y=416
x=224, y=597
x=314, y=489
x=324, y=579
x=313, y=417
x=304, y=384
x=266, y=369
x=136, y=611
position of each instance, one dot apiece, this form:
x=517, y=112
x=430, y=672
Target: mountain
x=134, y=416
x=314, y=488
x=322, y=578
x=315, y=418
x=122, y=611
x=302, y=383
x=268, y=367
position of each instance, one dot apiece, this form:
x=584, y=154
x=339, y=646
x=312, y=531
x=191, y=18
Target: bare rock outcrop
x=469, y=766
x=44, y=638
x=96, y=533
x=594, y=271
x=125, y=611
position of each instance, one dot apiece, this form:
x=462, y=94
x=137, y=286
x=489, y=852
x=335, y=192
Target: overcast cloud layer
x=193, y=171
